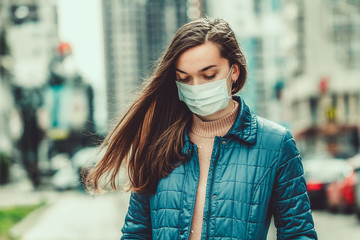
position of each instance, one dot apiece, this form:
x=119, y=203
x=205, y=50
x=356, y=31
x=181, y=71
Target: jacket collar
x=244, y=128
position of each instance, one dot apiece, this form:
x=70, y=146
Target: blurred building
x=136, y=33
x=7, y=109
x=259, y=27
x=323, y=90
x=35, y=21
x=31, y=36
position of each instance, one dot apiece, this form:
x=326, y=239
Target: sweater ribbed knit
x=202, y=133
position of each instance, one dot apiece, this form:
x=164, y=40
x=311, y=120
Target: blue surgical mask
x=205, y=99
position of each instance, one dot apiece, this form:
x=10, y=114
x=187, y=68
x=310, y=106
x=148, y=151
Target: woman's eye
x=209, y=77
x=183, y=79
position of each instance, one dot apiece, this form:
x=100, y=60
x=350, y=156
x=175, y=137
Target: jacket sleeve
x=137, y=221
x=291, y=205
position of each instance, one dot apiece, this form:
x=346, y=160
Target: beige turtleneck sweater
x=203, y=133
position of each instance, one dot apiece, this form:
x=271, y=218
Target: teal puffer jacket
x=255, y=172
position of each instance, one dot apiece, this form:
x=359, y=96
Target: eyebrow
x=202, y=70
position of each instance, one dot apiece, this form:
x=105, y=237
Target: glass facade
x=136, y=33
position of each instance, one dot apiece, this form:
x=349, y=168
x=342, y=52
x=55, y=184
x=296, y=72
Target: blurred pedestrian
x=201, y=164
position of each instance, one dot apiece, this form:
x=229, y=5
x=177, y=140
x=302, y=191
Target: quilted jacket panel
x=255, y=172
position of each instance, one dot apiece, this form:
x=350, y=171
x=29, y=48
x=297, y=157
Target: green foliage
x=12, y=215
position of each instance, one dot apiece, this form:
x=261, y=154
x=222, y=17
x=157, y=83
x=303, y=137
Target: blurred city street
x=67, y=75
x=74, y=215
x=68, y=215
x=80, y=217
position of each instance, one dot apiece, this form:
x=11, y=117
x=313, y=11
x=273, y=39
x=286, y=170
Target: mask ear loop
x=232, y=82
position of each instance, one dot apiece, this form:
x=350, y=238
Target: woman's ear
x=235, y=73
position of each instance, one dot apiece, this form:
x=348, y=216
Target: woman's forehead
x=200, y=57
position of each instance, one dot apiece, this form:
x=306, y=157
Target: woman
x=201, y=165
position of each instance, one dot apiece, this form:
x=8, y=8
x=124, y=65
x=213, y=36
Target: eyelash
x=183, y=79
x=206, y=77
x=209, y=77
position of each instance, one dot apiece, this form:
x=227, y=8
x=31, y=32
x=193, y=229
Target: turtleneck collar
x=218, y=127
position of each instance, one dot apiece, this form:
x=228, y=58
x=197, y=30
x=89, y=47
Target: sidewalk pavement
x=22, y=193
x=68, y=215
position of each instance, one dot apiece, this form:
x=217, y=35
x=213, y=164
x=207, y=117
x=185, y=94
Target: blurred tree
x=5, y=151
x=5, y=60
x=28, y=102
x=4, y=48
x=4, y=168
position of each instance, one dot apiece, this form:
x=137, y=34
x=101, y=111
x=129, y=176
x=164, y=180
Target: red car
x=355, y=162
x=319, y=173
x=340, y=194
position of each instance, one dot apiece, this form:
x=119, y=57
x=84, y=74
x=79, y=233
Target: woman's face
x=202, y=64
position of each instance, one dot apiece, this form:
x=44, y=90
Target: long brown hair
x=149, y=137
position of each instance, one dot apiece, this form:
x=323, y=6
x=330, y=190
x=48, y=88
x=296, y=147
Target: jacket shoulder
x=266, y=125
x=271, y=135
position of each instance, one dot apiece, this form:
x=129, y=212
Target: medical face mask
x=205, y=99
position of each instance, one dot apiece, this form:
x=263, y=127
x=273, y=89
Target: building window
x=347, y=107
x=344, y=31
x=258, y=47
x=275, y=5
x=257, y=7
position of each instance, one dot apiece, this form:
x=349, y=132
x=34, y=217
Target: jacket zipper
x=197, y=183
x=211, y=185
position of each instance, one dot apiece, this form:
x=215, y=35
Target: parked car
x=319, y=173
x=355, y=162
x=340, y=194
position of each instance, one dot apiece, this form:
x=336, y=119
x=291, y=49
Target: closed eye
x=209, y=77
x=183, y=79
